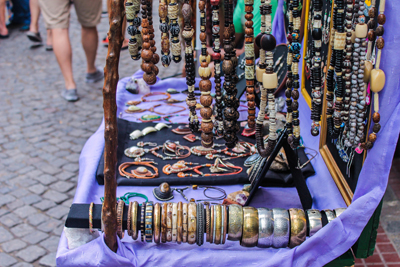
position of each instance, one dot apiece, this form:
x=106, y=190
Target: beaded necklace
x=289, y=81
x=132, y=8
x=164, y=28
x=173, y=9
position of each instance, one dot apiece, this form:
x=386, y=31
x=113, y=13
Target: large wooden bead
x=207, y=127
x=380, y=43
x=206, y=100
x=147, y=55
x=202, y=5
x=376, y=117
x=163, y=9
x=270, y=80
x=165, y=44
x=378, y=80
x=227, y=66
x=187, y=12
x=206, y=112
x=147, y=67
x=371, y=35
x=191, y=102
x=207, y=139
x=156, y=58
x=372, y=137
x=145, y=23
x=155, y=70
x=203, y=36
x=150, y=78
x=379, y=30
x=367, y=70
x=361, y=30
x=146, y=46
x=268, y=42
x=372, y=12
x=381, y=19
x=205, y=85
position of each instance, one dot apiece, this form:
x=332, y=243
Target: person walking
x=56, y=15
x=3, y=27
x=33, y=34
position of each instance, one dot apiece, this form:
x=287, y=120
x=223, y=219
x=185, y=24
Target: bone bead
x=270, y=80
x=367, y=70
x=205, y=58
x=377, y=80
x=361, y=30
x=205, y=72
x=259, y=74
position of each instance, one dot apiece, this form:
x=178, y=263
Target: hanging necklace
x=205, y=83
x=316, y=93
x=164, y=28
x=289, y=81
x=189, y=66
x=132, y=8
x=173, y=9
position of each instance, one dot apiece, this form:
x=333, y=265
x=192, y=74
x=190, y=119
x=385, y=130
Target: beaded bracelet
x=140, y=172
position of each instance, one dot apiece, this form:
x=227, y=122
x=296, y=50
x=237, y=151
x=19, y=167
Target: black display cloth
x=272, y=178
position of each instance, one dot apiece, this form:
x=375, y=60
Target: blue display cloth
x=329, y=243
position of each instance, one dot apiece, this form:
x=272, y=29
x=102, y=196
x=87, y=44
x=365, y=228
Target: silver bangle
x=265, y=228
x=339, y=211
x=281, y=228
x=330, y=215
x=314, y=220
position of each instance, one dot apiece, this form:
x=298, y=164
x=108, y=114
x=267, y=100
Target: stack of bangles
x=188, y=222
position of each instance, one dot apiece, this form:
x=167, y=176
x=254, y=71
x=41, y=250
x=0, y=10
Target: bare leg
x=3, y=28
x=35, y=13
x=90, y=41
x=62, y=50
x=49, y=40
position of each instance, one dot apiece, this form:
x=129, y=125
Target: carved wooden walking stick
x=115, y=37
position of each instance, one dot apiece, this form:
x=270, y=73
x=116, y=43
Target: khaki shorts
x=56, y=13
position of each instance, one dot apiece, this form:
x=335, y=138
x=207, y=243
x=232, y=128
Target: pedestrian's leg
x=3, y=28
x=62, y=50
x=90, y=41
x=35, y=13
x=49, y=40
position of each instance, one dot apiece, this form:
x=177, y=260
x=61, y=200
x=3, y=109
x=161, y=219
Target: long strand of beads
x=148, y=65
x=156, y=57
x=216, y=57
x=173, y=9
x=205, y=83
x=295, y=47
x=189, y=65
x=164, y=28
x=378, y=77
x=231, y=126
x=132, y=8
x=289, y=60
x=316, y=68
x=249, y=68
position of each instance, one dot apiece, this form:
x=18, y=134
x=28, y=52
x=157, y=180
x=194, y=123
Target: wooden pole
x=109, y=213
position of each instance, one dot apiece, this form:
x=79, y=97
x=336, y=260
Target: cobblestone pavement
x=41, y=137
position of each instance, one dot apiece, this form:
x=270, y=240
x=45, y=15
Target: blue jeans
x=22, y=14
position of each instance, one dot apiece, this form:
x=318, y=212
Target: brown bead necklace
x=164, y=28
x=173, y=9
x=289, y=60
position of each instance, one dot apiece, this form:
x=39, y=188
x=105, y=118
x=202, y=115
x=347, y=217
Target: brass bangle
x=142, y=221
x=192, y=223
x=179, y=223
x=212, y=222
x=217, y=224
x=120, y=216
x=134, y=224
x=164, y=223
x=149, y=222
x=224, y=223
x=330, y=215
x=169, y=221
x=339, y=211
x=314, y=220
x=265, y=228
x=91, y=217
x=235, y=222
x=281, y=228
x=174, y=221
x=250, y=227
x=129, y=220
x=208, y=220
x=184, y=222
x=298, y=227
x=157, y=222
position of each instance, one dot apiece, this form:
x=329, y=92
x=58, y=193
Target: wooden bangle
x=208, y=221
x=250, y=227
x=120, y=214
x=169, y=222
x=217, y=224
x=184, y=222
x=157, y=222
x=129, y=221
x=91, y=217
x=235, y=222
x=298, y=227
x=164, y=222
x=191, y=223
x=134, y=225
x=174, y=221
x=179, y=223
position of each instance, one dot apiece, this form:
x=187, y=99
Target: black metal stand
x=300, y=183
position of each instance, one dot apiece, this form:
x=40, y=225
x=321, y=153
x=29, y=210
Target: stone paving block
x=72, y=167
x=3, y=211
x=20, y=192
x=4, y=189
x=5, y=235
x=74, y=157
x=31, y=253
x=45, y=179
x=35, y=237
x=55, y=196
x=49, y=225
x=21, y=181
x=7, y=260
x=5, y=199
x=13, y=245
x=62, y=186
x=48, y=260
x=25, y=211
x=58, y=212
x=10, y=220
x=51, y=243
x=37, y=218
x=49, y=169
x=44, y=205
x=23, y=264
x=65, y=175
x=31, y=199
x=59, y=162
x=68, y=203
x=26, y=169
x=61, y=153
x=22, y=229
x=58, y=230
x=15, y=204
x=37, y=189
x=51, y=148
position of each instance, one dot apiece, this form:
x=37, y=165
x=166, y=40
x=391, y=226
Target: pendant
x=150, y=118
x=134, y=152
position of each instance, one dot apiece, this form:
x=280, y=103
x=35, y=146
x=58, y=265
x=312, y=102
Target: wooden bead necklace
x=289, y=81
x=132, y=8
x=140, y=172
x=173, y=9
x=205, y=83
x=316, y=93
x=231, y=126
x=249, y=68
x=216, y=57
x=164, y=28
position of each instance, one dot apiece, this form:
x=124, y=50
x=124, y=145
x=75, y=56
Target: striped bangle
x=149, y=222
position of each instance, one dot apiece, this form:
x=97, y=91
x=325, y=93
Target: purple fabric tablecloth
x=329, y=243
